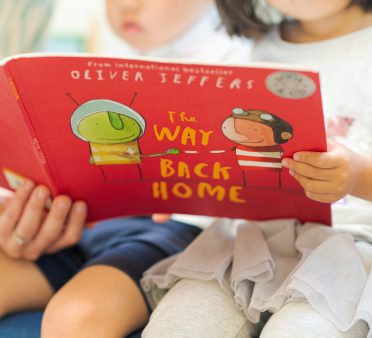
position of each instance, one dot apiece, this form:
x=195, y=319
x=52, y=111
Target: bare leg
x=100, y=301
x=22, y=285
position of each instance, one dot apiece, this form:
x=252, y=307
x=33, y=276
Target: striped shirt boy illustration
x=258, y=135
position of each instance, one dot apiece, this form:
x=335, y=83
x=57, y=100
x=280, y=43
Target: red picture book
x=136, y=137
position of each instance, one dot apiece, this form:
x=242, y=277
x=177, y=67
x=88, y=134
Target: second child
x=311, y=280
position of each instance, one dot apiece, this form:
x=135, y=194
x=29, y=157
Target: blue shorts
x=131, y=245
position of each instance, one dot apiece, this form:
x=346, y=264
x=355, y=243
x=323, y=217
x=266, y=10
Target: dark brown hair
x=246, y=17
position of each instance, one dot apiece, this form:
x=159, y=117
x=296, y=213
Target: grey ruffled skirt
x=264, y=265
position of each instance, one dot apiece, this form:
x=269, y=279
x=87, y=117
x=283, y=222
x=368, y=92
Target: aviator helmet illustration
x=258, y=136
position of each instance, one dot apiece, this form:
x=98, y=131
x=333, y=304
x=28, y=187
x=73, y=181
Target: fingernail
x=80, y=207
x=285, y=163
x=63, y=205
x=41, y=193
x=296, y=157
x=28, y=185
x=291, y=172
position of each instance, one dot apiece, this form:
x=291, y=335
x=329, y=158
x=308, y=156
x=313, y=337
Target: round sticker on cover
x=290, y=85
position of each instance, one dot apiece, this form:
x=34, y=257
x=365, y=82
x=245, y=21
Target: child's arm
x=27, y=230
x=329, y=176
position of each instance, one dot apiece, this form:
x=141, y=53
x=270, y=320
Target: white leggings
x=199, y=309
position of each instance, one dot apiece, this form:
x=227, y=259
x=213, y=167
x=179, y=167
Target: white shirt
x=345, y=65
x=205, y=41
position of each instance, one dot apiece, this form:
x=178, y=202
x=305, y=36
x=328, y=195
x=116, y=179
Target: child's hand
x=27, y=230
x=328, y=176
x=161, y=218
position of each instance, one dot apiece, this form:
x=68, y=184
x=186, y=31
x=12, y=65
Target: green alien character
x=112, y=130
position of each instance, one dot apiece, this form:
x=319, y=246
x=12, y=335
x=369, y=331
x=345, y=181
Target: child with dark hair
x=311, y=280
x=92, y=290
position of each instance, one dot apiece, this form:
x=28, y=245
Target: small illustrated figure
x=258, y=135
x=112, y=130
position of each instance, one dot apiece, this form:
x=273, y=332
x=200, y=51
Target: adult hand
x=28, y=230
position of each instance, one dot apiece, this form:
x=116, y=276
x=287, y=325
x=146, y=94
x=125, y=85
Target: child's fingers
x=5, y=201
x=161, y=218
x=316, y=187
x=73, y=229
x=29, y=223
x=13, y=210
x=326, y=160
x=51, y=229
x=33, y=213
x=308, y=170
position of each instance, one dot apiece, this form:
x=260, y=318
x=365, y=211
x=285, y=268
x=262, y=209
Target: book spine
x=23, y=118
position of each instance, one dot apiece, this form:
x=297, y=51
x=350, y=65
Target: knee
x=197, y=309
x=3, y=310
x=299, y=320
x=64, y=315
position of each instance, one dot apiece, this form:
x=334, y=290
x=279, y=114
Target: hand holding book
x=329, y=176
x=134, y=137
x=28, y=229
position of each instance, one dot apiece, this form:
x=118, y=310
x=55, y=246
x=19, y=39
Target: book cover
x=136, y=137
